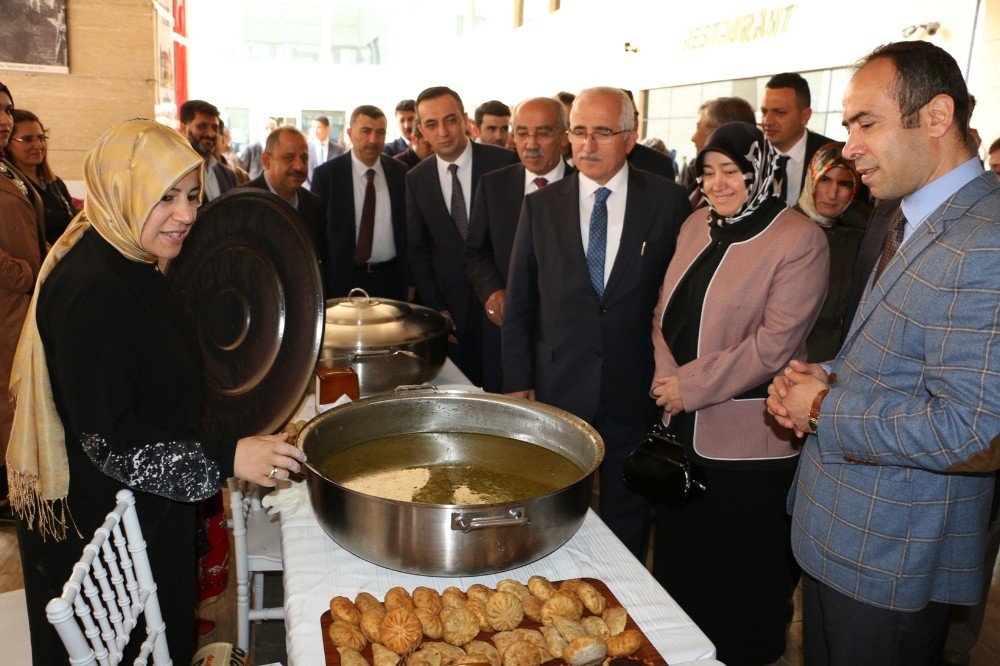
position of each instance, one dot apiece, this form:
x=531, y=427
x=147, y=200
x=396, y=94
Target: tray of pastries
x=578, y=622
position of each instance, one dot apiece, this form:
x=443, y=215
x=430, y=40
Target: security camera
x=932, y=28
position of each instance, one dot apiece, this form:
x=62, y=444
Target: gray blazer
x=892, y=499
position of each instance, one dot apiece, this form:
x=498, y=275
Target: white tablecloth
x=316, y=568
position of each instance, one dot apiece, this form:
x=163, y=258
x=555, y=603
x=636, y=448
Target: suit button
x=597, y=353
x=602, y=310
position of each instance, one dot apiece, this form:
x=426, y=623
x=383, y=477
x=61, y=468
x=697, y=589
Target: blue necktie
x=598, y=242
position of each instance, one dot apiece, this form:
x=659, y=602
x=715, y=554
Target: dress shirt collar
x=464, y=161
x=919, y=205
x=617, y=182
x=798, y=151
x=552, y=176
x=295, y=196
x=360, y=168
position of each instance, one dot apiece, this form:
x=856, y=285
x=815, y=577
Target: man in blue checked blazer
x=893, y=490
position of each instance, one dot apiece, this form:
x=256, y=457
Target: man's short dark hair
x=794, y=81
x=406, y=105
x=491, y=108
x=274, y=137
x=722, y=110
x=193, y=106
x=438, y=91
x=366, y=110
x=565, y=97
x=322, y=120
x=923, y=71
x=994, y=147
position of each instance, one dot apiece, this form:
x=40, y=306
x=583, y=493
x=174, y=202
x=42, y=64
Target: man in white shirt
x=365, y=224
x=200, y=123
x=322, y=148
x=785, y=111
x=491, y=123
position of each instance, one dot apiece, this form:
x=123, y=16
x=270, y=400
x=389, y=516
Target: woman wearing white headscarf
x=738, y=299
x=109, y=386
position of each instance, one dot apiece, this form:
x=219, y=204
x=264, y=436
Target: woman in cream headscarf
x=109, y=385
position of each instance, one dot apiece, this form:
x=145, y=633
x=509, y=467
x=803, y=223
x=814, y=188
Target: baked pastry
x=541, y=587
x=350, y=657
x=449, y=653
x=521, y=653
x=425, y=597
x=479, y=609
x=460, y=625
x=431, y=623
x=366, y=601
x=595, y=626
x=398, y=597
x=369, y=624
x=478, y=591
x=554, y=641
x=503, y=639
x=514, y=587
x=624, y=643
x=383, y=656
x=484, y=648
x=586, y=651
x=474, y=659
x=424, y=658
x=401, y=631
x=342, y=608
x=591, y=597
x=534, y=637
x=560, y=604
x=452, y=597
x=532, y=606
x=504, y=611
x=615, y=618
x=345, y=634
x=569, y=629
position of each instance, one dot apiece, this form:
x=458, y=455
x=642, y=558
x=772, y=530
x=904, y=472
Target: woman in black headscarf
x=739, y=297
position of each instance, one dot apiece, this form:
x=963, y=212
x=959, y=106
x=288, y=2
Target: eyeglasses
x=29, y=139
x=578, y=135
x=539, y=134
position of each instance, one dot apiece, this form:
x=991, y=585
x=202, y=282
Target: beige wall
x=112, y=78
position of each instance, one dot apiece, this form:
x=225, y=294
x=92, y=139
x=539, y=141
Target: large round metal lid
x=249, y=276
x=360, y=321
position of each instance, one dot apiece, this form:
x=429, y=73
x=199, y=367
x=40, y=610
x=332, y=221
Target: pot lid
x=249, y=278
x=363, y=321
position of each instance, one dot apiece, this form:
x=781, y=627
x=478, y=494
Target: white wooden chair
x=257, y=545
x=115, y=593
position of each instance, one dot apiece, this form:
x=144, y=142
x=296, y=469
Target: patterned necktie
x=458, y=211
x=893, y=239
x=540, y=182
x=780, y=175
x=598, y=242
x=363, y=248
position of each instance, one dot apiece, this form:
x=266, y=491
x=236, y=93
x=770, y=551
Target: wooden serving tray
x=646, y=651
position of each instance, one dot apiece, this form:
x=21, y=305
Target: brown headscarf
x=127, y=172
x=827, y=157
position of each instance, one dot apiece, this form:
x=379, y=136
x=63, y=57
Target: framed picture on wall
x=35, y=36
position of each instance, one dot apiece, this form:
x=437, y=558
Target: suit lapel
x=633, y=231
x=568, y=218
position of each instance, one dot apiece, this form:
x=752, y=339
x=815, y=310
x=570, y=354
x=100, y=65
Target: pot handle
x=468, y=521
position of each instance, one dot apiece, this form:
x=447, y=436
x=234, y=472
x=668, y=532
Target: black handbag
x=659, y=471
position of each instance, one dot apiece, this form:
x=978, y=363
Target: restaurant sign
x=740, y=29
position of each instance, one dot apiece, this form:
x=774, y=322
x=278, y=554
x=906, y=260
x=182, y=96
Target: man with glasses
x=439, y=195
x=589, y=257
x=540, y=139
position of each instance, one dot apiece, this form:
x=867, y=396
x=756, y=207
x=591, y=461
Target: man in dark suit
x=285, y=160
x=785, y=110
x=588, y=260
x=540, y=139
x=406, y=113
x=439, y=195
x=644, y=157
x=201, y=124
x=322, y=148
x=364, y=193
x=416, y=151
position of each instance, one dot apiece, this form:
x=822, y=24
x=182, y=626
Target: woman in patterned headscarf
x=109, y=386
x=741, y=292
x=829, y=199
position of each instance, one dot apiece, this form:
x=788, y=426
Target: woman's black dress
x=128, y=383
x=59, y=210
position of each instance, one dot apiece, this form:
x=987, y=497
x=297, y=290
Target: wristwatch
x=814, y=410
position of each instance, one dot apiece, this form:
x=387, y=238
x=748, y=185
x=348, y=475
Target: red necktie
x=540, y=182
x=363, y=248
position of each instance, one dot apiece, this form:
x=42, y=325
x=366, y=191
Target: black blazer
x=868, y=254
x=492, y=226
x=310, y=213
x=436, y=250
x=408, y=158
x=653, y=161
x=590, y=356
x=334, y=184
x=394, y=147
x=813, y=143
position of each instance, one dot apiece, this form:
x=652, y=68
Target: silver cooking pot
x=388, y=343
x=442, y=539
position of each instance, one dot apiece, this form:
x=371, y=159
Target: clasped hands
x=791, y=395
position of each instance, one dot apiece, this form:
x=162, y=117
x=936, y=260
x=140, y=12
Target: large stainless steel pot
x=450, y=540
x=388, y=343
